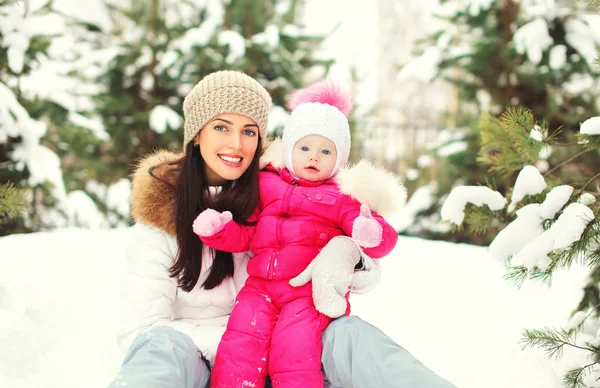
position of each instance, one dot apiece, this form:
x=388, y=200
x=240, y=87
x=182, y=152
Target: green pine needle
x=11, y=201
x=549, y=340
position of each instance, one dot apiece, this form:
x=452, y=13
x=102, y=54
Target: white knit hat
x=319, y=109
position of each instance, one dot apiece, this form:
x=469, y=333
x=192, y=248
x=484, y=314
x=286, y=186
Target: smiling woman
x=227, y=144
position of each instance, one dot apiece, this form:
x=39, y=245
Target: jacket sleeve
x=350, y=210
x=233, y=237
x=148, y=292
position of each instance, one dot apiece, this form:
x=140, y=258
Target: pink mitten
x=366, y=231
x=210, y=222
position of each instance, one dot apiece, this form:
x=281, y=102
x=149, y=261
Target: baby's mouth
x=312, y=168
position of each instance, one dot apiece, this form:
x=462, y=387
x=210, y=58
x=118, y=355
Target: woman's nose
x=235, y=141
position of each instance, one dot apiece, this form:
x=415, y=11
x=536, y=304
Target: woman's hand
x=210, y=222
x=366, y=231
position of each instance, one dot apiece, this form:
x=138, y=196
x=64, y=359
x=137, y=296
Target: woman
x=177, y=294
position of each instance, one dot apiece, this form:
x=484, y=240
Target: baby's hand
x=210, y=222
x=366, y=231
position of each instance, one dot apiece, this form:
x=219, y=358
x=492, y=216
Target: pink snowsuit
x=274, y=328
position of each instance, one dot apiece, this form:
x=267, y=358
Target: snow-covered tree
x=158, y=50
x=508, y=53
x=25, y=156
x=551, y=222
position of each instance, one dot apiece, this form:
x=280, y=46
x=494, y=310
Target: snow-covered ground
x=446, y=303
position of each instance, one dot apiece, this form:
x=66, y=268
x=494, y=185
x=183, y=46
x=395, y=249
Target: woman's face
x=227, y=144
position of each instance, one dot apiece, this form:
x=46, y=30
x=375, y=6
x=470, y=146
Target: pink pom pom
x=323, y=92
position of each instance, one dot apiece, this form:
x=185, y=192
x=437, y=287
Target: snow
x=578, y=84
x=526, y=239
x=453, y=209
x=236, y=43
x=83, y=212
x=529, y=182
x=269, y=37
x=422, y=199
x=163, y=117
x=424, y=161
x=41, y=162
x=558, y=57
x=423, y=68
x=94, y=125
x=590, y=126
x=475, y=7
x=412, y=174
x=533, y=39
x=510, y=240
x=277, y=118
x=453, y=148
x=555, y=200
x=446, y=303
x=580, y=36
x=536, y=134
x=545, y=153
x=571, y=224
x=14, y=37
x=586, y=199
x=564, y=232
x=116, y=197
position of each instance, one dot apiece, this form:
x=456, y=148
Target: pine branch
x=567, y=161
x=593, y=3
x=11, y=201
x=517, y=275
x=550, y=340
x=479, y=219
x=574, y=378
x=586, y=184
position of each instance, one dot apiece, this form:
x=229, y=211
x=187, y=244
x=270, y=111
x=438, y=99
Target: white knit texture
x=315, y=118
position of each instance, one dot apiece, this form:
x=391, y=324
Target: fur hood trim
x=153, y=201
x=376, y=187
x=273, y=155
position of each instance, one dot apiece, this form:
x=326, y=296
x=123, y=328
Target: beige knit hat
x=225, y=92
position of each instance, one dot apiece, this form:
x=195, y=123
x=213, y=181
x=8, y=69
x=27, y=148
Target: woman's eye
x=304, y=148
x=249, y=132
x=220, y=128
x=326, y=152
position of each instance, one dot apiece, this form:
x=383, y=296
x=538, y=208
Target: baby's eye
x=220, y=128
x=326, y=152
x=304, y=148
x=249, y=132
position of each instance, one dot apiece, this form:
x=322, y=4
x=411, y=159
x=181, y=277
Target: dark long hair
x=192, y=197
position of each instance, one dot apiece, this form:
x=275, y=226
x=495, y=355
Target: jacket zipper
x=285, y=207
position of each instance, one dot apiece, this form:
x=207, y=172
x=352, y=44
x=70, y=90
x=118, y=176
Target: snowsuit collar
x=287, y=177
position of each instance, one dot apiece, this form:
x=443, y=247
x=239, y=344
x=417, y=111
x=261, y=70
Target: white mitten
x=331, y=273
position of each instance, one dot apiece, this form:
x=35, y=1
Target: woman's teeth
x=230, y=159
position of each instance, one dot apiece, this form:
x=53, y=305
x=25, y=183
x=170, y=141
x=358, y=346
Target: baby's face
x=314, y=157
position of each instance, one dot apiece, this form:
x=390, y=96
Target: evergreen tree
x=509, y=53
x=162, y=48
x=25, y=119
x=551, y=222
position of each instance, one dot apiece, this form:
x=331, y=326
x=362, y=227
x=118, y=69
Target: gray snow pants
x=355, y=355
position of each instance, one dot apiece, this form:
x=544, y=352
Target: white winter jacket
x=150, y=297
